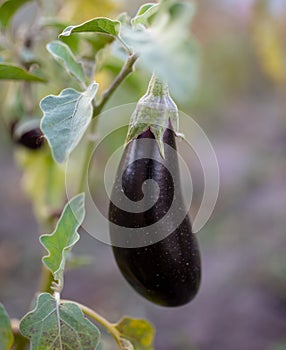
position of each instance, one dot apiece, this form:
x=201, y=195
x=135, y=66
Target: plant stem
x=98, y=318
x=125, y=71
x=46, y=281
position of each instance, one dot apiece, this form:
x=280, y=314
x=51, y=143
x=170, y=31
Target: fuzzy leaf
x=145, y=13
x=65, y=236
x=12, y=72
x=62, y=53
x=66, y=118
x=56, y=326
x=168, y=49
x=43, y=181
x=136, y=334
x=8, y=9
x=6, y=335
x=97, y=25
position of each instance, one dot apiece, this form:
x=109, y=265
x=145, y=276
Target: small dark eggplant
x=32, y=139
x=168, y=271
x=28, y=135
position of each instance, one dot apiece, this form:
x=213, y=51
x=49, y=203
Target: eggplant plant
x=166, y=271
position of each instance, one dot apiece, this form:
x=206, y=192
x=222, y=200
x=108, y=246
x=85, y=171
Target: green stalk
x=125, y=71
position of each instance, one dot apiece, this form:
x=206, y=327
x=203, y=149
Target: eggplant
x=28, y=135
x=162, y=264
x=32, y=139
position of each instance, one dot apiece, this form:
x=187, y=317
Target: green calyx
x=156, y=111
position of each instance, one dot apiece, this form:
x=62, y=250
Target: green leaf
x=12, y=72
x=168, y=49
x=96, y=25
x=6, y=335
x=66, y=118
x=62, y=53
x=145, y=14
x=65, y=236
x=43, y=180
x=99, y=41
x=54, y=326
x=136, y=334
x=73, y=42
x=8, y=9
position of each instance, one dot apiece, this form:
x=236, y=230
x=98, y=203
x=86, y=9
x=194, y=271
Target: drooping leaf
x=136, y=334
x=96, y=25
x=8, y=9
x=145, y=13
x=6, y=335
x=43, y=180
x=12, y=72
x=168, y=49
x=66, y=118
x=99, y=41
x=73, y=42
x=62, y=53
x=60, y=242
x=54, y=326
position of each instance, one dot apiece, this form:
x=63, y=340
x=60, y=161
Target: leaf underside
x=58, y=326
x=66, y=118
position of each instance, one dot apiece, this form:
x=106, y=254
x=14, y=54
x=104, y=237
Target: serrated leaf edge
x=77, y=236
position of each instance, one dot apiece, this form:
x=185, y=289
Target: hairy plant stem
x=125, y=71
x=110, y=327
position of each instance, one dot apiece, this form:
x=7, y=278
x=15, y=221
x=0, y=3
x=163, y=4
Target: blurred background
x=241, y=105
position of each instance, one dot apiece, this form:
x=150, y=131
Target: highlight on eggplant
x=150, y=228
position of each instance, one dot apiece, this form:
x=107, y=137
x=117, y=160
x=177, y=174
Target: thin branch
x=125, y=71
x=127, y=49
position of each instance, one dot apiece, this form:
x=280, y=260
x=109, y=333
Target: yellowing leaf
x=43, y=180
x=6, y=335
x=270, y=51
x=140, y=333
x=86, y=9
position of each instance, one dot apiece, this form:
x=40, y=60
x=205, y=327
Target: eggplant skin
x=168, y=272
x=32, y=139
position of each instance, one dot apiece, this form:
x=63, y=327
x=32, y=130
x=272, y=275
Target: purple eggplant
x=28, y=135
x=32, y=139
x=163, y=265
